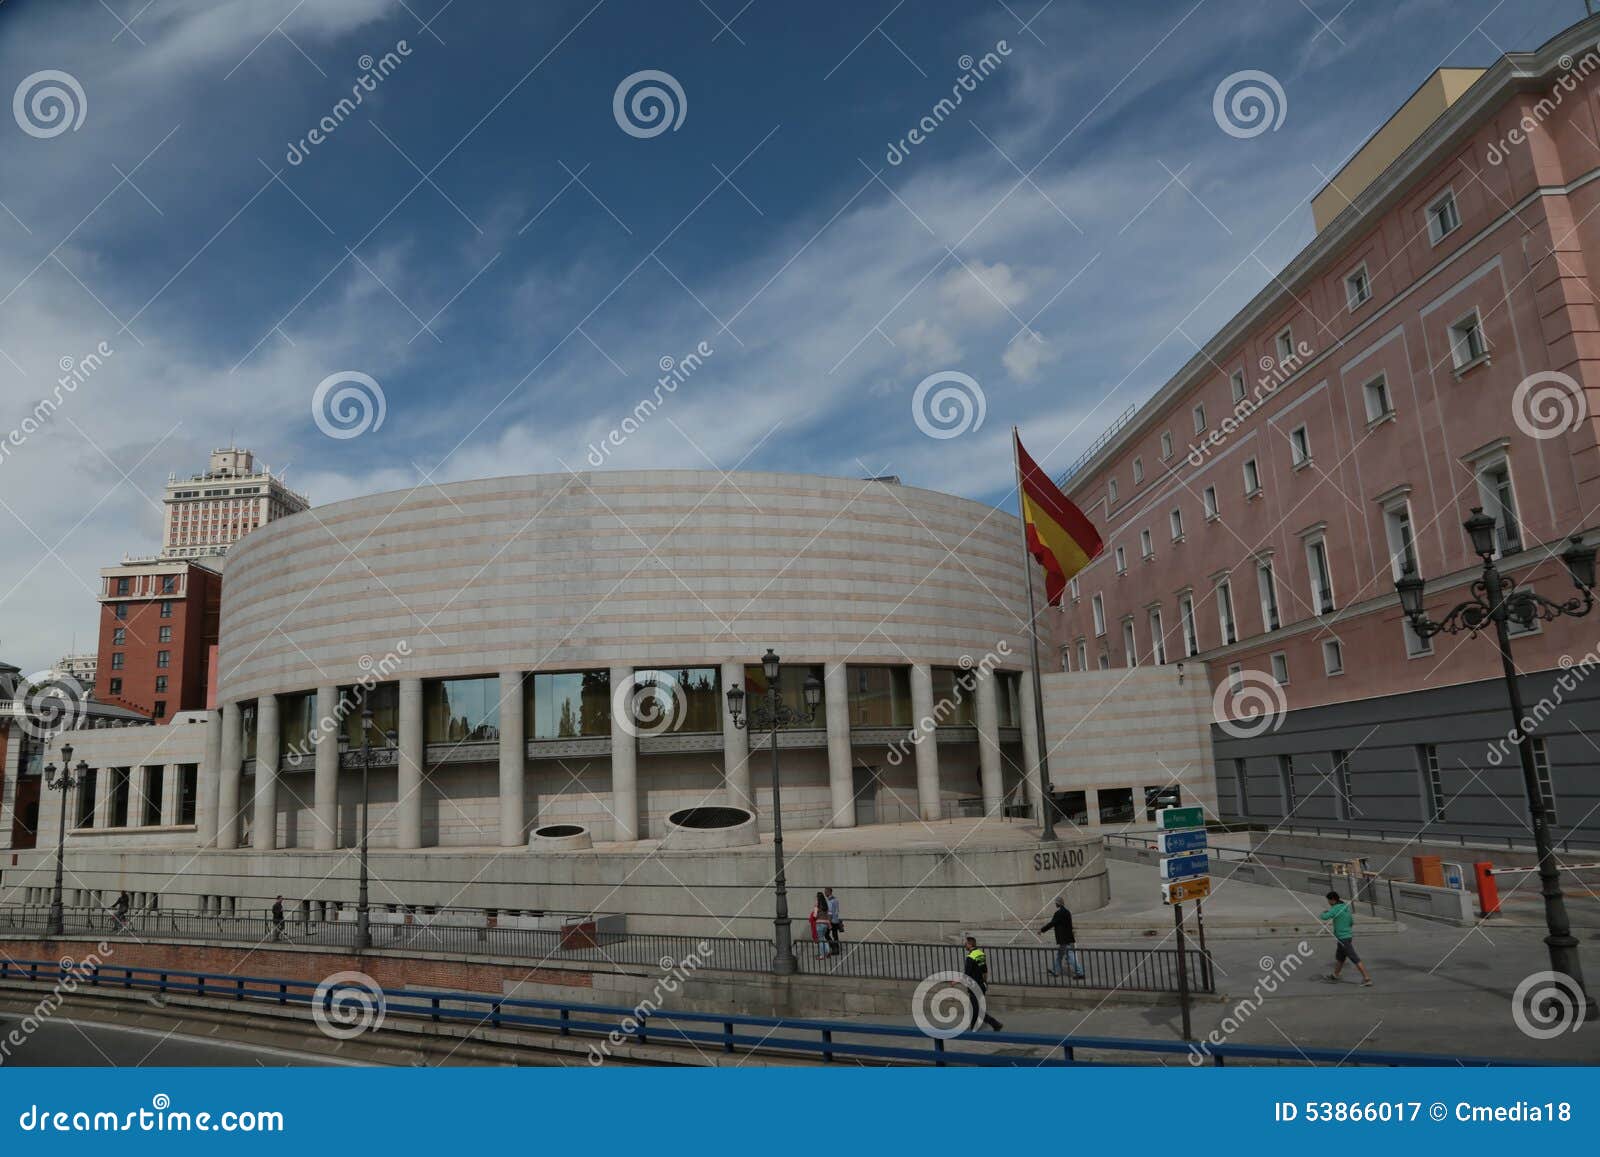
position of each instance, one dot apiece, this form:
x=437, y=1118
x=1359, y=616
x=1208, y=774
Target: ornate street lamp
x=364, y=760
x=1496, y=600
x=772, y=715
x=64, y=780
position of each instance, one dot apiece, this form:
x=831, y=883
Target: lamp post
x=1496, y=600
x=64, y=780
x=364, y=760
x=773, y=715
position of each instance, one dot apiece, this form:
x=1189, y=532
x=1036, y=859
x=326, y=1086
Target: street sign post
x=1176, y=843
x=1176, y=818
x=1180, y=891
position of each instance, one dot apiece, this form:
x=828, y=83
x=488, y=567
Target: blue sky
x=484, y=240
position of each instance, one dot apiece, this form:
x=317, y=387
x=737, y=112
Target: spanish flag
x=1059, y=537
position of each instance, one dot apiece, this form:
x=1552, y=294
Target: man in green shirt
x=1343, y=927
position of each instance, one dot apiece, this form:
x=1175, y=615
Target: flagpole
x=1046, y=809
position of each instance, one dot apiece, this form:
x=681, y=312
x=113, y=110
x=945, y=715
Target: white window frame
x=1489, y=499
x=1147, y=546
x=1083, y=653
x=1357, y=288
x=1438, y=230
x=1252, y=477
x=1121, y=557
x=1199, y=413
x=1111, y=491
x=1227, y=614
x=1236, y=381
x=1098, y=606
x=1166, y=445
x=1208, y=503
x=1284, y=344
x=1399, y=531
x=1379, y=383
x=1073, y=589
x=1461, y=334
x=1175, y=524
x=1332, y=657
x=1300, y=447
x=1316, y=545
x=1267, y=588
x=1279, y=662
x=1138, y=471
x=1130, y=641
x=1187, y=626
x=1158, y=639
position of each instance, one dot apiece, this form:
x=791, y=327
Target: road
x=62, y=1041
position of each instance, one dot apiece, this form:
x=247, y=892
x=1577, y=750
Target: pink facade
x=1342, y=462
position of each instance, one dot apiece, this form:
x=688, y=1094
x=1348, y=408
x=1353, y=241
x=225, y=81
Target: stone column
x=926, y=746
x=988, y=718
x=513, y=761
x=841, y=779
x=138, y=785
x=265, y=828
x=408, y=804
x=102, y=798
x=205, y=787
x=735, y=744
x=624, y=768
x=325, y=760
x=171, y=794
x=232, y=756
x=1030, y=747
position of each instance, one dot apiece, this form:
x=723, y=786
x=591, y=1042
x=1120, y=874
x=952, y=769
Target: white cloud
x=927, y=345
x=1026, y=355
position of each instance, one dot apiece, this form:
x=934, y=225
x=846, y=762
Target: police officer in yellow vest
x=976, y=969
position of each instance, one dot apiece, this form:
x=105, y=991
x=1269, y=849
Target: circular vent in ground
x=709, y=818
x=556, y=831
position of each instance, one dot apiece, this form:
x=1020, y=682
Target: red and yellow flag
x=1060, y=538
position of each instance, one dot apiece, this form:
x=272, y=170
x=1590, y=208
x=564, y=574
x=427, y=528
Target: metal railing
x=1487, y=840
x=1117, y=969
x=826, y=1040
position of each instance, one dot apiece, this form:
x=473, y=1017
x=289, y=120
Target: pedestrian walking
x=835, y=920
x=976, y=969
x=119, y=911
x=820, y=928
x=277, y=918
x=1343, y=921
x=1061, y=924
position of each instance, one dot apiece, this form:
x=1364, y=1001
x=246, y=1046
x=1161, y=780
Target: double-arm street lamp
x=63, y=780
x=364, y=759
x=771, y=715
x=1496, y=600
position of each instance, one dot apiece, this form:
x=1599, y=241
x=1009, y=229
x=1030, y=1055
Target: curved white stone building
x=556, y=649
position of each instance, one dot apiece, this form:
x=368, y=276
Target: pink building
x=1435, y=348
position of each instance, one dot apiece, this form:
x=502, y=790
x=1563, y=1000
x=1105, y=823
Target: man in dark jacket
x=277, y=918
x=975, y=967
x=1061, y=921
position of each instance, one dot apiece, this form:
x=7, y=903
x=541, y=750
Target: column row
x=225, y=756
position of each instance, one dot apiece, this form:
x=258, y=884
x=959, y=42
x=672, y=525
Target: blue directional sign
x=1185, y=867
x=1175, y=843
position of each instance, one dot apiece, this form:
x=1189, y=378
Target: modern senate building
x=546, y=660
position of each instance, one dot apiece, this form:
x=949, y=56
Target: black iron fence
x=1124, y=969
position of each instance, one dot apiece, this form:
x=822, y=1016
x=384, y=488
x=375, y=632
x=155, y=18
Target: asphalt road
x=62, y=1041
